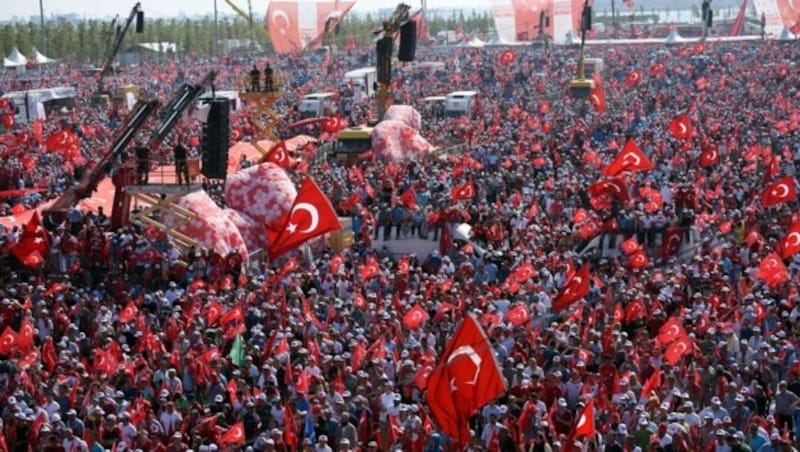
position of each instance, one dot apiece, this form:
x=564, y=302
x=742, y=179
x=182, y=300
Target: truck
x=362, y=81
x=27, y=103
x=318, y=105
x=460, y=103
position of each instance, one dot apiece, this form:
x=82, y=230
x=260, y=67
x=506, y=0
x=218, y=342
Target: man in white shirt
x=73, y=443
x=170, y=419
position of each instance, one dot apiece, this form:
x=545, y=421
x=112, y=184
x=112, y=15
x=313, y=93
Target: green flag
x=237, y=351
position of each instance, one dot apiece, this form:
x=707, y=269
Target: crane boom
x=115, y=48
x=57, y=212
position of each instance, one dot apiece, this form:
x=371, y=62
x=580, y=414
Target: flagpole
x=41, y=25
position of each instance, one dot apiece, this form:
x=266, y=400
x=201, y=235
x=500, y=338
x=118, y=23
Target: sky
x=171, y=8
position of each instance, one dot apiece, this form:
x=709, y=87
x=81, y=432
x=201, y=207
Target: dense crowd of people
x=120, y=342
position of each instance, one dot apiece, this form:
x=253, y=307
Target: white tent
x=673, y=37
x=472, y=42
x=786, y=35
x=38, y=58
x=497, y=41
x=15, y=59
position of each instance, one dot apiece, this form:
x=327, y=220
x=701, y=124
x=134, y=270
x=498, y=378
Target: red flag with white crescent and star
x=790, y=243
x=279, y=155
x=772, y=270
x=677, y=350
x=466, y=378
x=631, y=158
x=311, y=215
x=463, y=192
x=670, y=331
x=681, y=128
x=415, y=317
x=235, y=435
x=576, y=287
x=779, y=192
x=671, y=242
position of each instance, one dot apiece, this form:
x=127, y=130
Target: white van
x=39, y=103
x=318, y=105
x=460, y=103
x=609, y=246
x=362, y=81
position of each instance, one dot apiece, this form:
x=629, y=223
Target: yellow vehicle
x=351, y=142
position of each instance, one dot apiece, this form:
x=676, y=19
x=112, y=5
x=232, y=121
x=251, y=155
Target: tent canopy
x=473, y=42
x=38, y=58
x=15, y=59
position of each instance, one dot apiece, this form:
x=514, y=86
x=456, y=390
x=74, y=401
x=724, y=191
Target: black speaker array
x=383, y=50
x=216, y=138
x=586, y=18
x=408, y=41
x=139, y=21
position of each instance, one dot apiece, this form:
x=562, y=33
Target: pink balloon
x=211, y=227
x=263, y=192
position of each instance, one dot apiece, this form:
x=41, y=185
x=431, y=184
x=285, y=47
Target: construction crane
x=113, y=161
x=57, y=212
x=386, y=36
x=112, y=54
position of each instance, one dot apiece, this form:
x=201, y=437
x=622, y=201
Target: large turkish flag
x=466, y=378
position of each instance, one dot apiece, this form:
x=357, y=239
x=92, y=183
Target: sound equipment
x=383, y=50
x=408, y=41
x=216, y=139
x=139, y=21
x=586, y=18
x=710, y=18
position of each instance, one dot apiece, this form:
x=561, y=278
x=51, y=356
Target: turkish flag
x=631, y=246
x=104, y=362
x=709, y=157
x=652, y=383
x=681, y=128
x=290, y=430
x=522, y=273
x=34, y=238
x=633, y=78
x=466, y=378
x=657, y=68
x=576, y=287
x=613, y=187
x=128, y=313
x=415, y=317
x=790, y=243
x=585, y=425
x=507, y=57
x=9, y=341
x=409, y=198
x=598, y=97
x=403, y=265
x=370, y=269
x=350, y=202
x=671, y=242
x=359, y=302
x=49, y=357
x=334, y=124
x=518, y=315
x=25, y=337
x=422, y=375
x=336, y=263
x=311, y=215
x=639, y=260
x=772, y=270
x=279, y=155
x=235, y=435
x=635, y=310
x=631, y=158
x=213, y=313
x=231, y=316
x=780, y=191
x=463, y=192
x=670, y=331
x=677, y=349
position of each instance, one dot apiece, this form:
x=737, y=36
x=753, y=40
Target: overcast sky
x=171, y=8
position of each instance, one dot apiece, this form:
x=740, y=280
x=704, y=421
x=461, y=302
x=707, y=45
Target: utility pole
x=43, y=44
x=250, y=19
x=614, y=16
x=216, y=29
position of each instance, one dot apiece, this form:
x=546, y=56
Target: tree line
x=87, y=41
